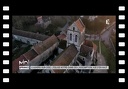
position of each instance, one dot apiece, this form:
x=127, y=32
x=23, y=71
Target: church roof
x=80, y=25
x=65, y=58
x=42, y=46
x=29, y=34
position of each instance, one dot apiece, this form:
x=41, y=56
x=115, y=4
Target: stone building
x=37, y=54
x=28, y=37
x=43, y=21
x=76, y=34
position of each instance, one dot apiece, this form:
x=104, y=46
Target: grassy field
x=110, y=59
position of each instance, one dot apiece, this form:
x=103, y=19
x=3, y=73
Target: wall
x=60, y=50
x=26, y=40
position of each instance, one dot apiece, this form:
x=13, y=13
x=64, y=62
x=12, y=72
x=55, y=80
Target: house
x=43, y=21
x=28, y=37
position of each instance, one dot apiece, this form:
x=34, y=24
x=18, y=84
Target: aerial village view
x=63, y=41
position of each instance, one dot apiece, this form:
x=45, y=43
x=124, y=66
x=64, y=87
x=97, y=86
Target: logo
x=107, y=21
x=23, y=62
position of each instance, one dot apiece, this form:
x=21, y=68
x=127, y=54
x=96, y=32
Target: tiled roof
x=61, y=36
x=65, y=58
x=31, y=54
x=29, y=34
x=88, y=43
x=42, y=46
x=85, y=49
x=80, y=25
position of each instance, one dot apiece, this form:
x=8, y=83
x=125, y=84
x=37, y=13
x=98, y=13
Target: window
x=75, y=38
x=70, y=37
x=73, y=28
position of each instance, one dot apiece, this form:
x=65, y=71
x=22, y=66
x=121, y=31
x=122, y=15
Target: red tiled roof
x=80, y=25
x=88, y=43
x=65, y=58
x=42, y=46
x=15, y=63
x=85, y=49
x=31, y=54
x=61, y=36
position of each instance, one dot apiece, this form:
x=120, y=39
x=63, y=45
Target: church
x=76, y=51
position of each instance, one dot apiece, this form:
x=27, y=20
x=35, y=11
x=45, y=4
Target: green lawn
x=110, y=59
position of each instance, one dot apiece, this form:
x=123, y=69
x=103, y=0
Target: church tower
x=76, y=34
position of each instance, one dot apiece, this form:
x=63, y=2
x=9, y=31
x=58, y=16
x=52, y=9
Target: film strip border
x=6, y=43
x=121, y=44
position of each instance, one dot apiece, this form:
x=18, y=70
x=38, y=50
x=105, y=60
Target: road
x=105, y=36
x=100, y=62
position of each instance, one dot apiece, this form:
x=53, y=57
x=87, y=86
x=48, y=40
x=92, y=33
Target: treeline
x=23, y=22
x=27, y=23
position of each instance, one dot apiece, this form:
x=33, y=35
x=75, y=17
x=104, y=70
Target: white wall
x=25, y=39
x=60, y=50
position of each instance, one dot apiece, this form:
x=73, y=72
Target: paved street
x=101, y=62
x=106, y=36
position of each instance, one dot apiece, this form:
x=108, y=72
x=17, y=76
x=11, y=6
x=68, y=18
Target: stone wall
x=26, y=40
